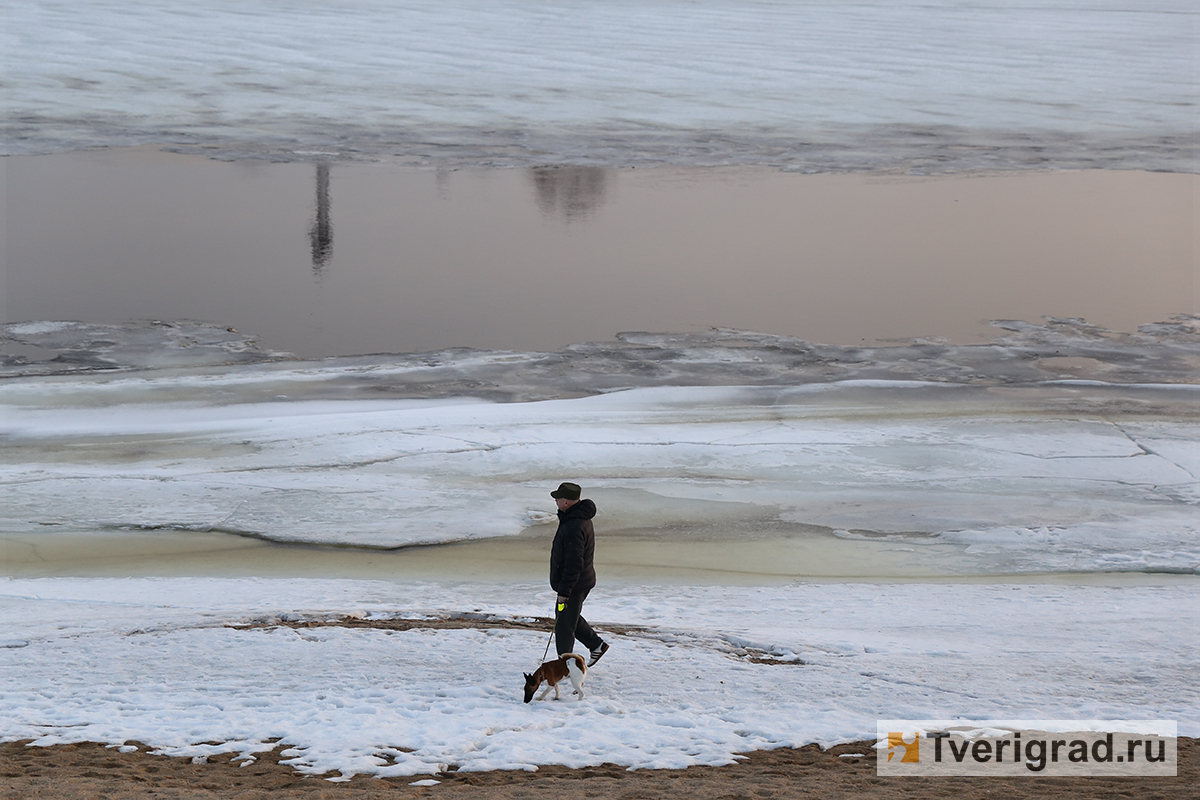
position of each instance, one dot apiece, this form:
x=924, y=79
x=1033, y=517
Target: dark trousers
x=570, y=625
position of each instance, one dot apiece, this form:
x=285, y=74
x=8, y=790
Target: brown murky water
x=358, y=258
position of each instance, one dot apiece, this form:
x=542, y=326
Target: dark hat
x=567, y=491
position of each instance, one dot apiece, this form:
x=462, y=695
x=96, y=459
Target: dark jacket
x=571, y=568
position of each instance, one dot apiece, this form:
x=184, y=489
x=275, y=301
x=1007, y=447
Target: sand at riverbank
x=79, y=771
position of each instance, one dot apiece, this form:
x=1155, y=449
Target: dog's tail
x=576, y=663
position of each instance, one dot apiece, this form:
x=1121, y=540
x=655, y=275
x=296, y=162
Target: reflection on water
x=569, y=192
x=320, y=232
x=543, y=258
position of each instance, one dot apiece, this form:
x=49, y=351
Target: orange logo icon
x=907, y=746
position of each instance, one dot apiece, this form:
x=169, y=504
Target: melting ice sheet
x=1060, y=448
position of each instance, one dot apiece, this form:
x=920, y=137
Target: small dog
x=570, y=666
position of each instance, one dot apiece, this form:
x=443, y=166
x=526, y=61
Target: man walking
x=572, y=574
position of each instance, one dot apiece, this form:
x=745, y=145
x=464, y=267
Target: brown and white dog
x=570, y=666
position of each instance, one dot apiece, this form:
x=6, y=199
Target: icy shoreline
x=975, y=448
x=1057, y=350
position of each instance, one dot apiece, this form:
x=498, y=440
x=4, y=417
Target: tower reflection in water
x=320, y=232
x=571, y=193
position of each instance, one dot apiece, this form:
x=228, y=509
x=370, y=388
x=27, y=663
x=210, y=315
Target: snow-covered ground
x=947, y=84
x=702, y=673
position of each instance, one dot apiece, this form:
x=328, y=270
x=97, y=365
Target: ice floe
x=976, y=446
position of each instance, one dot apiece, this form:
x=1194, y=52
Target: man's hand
x=562, y=604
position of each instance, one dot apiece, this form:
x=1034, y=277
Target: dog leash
x=551, y=639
